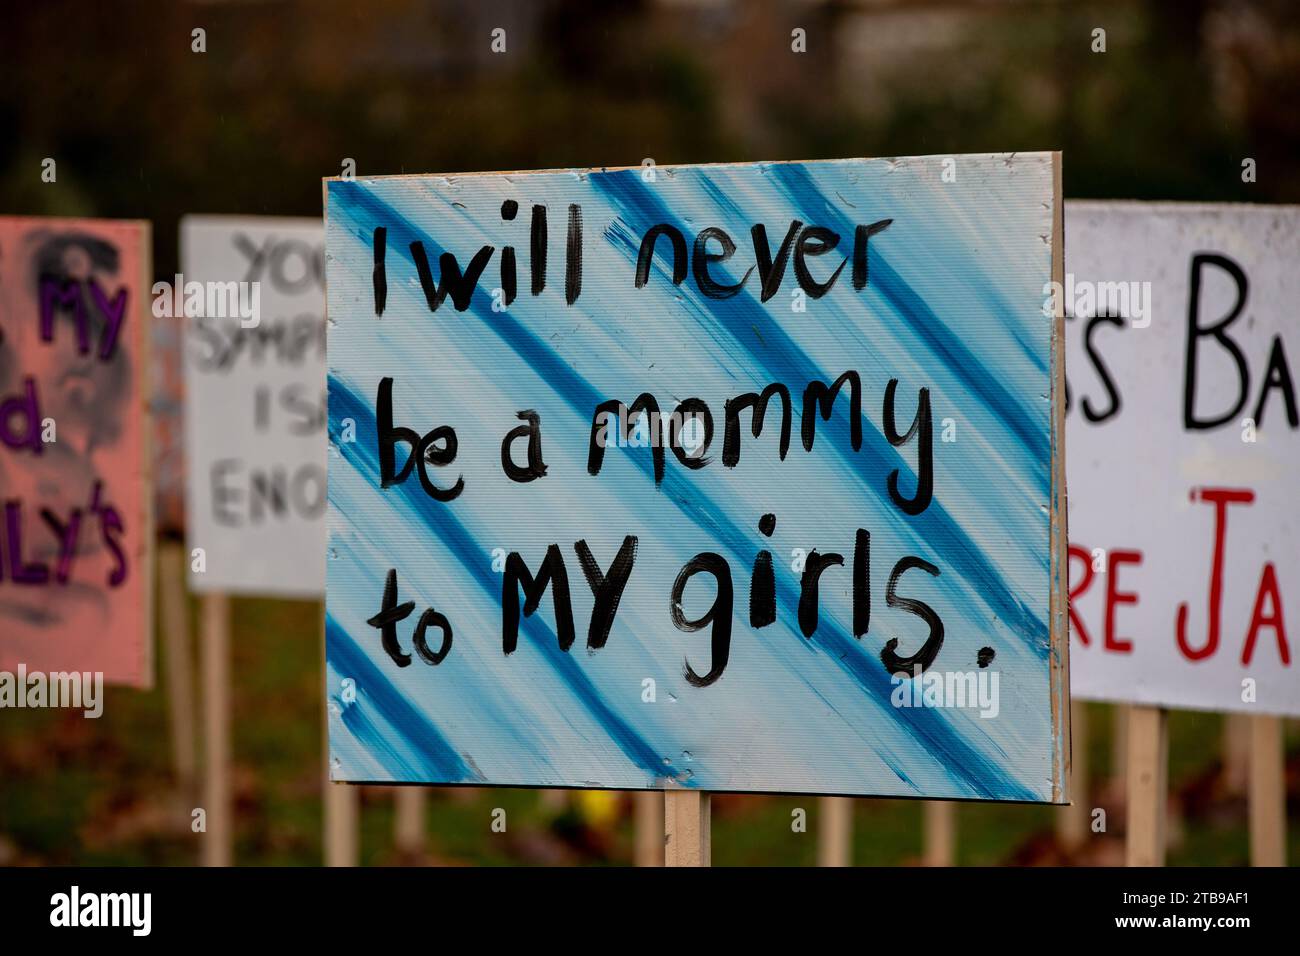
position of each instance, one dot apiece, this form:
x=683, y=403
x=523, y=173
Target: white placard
x=255, y=429
x=1182, y=433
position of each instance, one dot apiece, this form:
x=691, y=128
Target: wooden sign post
x=174, y=621
x=342, y=825
x=835, y=831
x=649, y=829
x=1267, y=794
x=1236, y=752
x=1119, y=745
x=218, y=802
x=408, y=820
x=940, y=834
x=1182, y=518
x=687, y=828
x=1073, y=822
x=341, y=803
x=1147, y=778
x=251, y=296
x=576, y=539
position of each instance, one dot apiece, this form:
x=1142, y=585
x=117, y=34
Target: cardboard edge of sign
x=1178, y=207
x=1058, y=537
x=148, y=550
x=1059, y=655
x=1053, y=156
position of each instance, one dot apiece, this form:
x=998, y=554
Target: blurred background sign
x=1183, y=454
x=255, y=403
x=75, y=575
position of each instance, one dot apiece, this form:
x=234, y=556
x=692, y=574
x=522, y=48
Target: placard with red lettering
x=75, y=525
x=1183, y=454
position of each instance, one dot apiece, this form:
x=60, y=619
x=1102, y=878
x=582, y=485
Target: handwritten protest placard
x=1183, y=453
x=255, y=403
x=74, y=569
x=735, y=477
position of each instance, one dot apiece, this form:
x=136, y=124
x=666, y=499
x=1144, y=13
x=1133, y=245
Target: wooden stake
x=408, y=820
x=175, y=621
x=1267, y=794
x=1072, y=821
x=835, y=831
x=940, y=836
x=218, y=847
x=1119, y=748
x=342, y=822
x=1148, y=785
x=1236, y=752
x=686, y=828
x=647, y=828
x=340, y=802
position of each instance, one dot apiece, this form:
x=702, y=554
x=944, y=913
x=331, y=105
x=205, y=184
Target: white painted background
x=279, y=556
x=1130, y=477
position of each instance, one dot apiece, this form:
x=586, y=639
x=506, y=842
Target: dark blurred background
x=141, y=126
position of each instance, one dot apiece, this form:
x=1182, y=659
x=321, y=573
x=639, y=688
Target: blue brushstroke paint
x=783, y=360
x=921, y=319
x=440, y=761
x=967, y=765
x=438, y=519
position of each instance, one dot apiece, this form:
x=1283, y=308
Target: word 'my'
x=89, y=308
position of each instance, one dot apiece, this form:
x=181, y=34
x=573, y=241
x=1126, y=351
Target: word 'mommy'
x=439, y=446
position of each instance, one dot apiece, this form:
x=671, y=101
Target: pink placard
x=75, y=513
